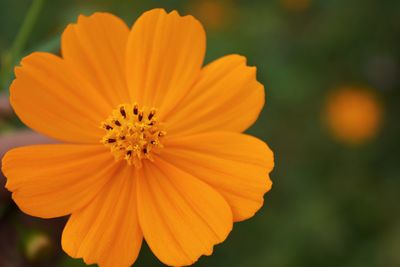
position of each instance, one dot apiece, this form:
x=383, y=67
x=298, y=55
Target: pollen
x=133, y=133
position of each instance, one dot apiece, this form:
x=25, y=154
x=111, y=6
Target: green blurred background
x=335, y=201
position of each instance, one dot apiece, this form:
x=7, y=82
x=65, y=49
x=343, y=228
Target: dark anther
x=140, y=116
x=151, y=115
x=117, y=123
x=152, y=142
x=151, y=123
x=129, y=153
x=108, y=127
x=135, y=110
x=111, y=140
x=145, y=150
x=160, y=134
x=122, y=137
x=123, y=113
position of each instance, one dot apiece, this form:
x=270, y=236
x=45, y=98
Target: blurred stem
x=19, y=43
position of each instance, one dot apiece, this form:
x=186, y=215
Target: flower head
x=133, y=134
x=152, y=144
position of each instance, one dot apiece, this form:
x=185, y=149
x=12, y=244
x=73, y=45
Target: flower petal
x=107, y=231
x=95, y=47
x=181, y=217
x=51, y=98
x=227, y=97
x=54, y=180
x=164, y=57
x=236, y=165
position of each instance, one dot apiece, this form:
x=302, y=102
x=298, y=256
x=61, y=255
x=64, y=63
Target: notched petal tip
x=6, y=167
x=240, y=58
x=4, y=162
x=149, y=14
x=17, y=72
x=173, y=13
x=82, y=19
x=33, y=57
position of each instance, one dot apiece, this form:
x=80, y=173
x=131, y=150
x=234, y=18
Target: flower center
x=133, y=134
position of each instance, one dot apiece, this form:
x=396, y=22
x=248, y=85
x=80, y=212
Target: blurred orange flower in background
x=295, y=5
x=169, y=163
x=214, y=15
x=353, y=114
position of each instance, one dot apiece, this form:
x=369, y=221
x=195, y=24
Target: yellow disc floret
x=133, y=134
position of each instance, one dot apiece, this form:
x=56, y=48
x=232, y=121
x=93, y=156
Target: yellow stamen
x=133, y=134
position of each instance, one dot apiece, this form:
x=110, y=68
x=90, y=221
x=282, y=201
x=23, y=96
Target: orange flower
x=153, y=147
x=214, y=14
x=296, y=5
x=353, y=114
